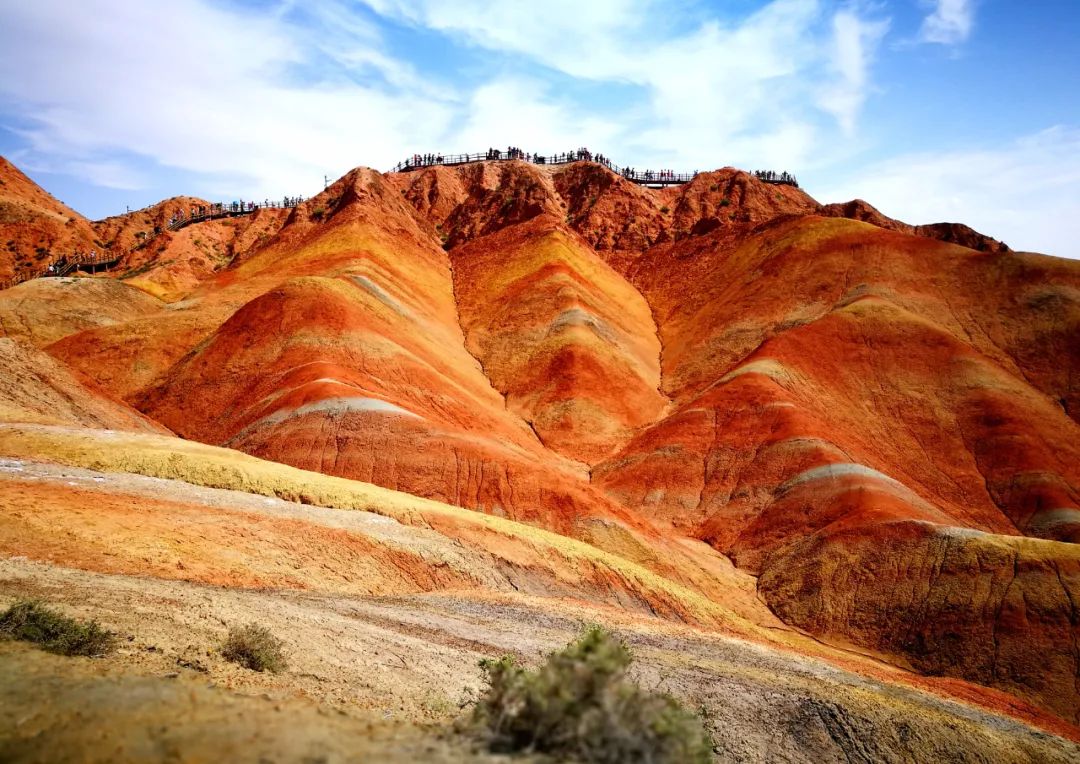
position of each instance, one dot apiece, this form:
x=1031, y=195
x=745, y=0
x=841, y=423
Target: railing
x=66, y=264
x=218, y=210
x=643, y=177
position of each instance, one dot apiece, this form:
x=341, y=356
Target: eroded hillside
x=718, y=404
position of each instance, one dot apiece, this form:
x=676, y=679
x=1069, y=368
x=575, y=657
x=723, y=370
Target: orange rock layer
x=878, y=421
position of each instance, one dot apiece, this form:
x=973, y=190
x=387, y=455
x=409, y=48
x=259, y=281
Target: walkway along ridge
x=104, y=261
x=641, y=177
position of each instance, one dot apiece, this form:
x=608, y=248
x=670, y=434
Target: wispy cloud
x=269, y=98
x=758, y=85
x=263, y=102
x=855, y=42
x=1025, y=192
x=949, y=23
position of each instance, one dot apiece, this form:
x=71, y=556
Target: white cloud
x=949, y=23
x=264, y=101
x=1026, y=193
x=232, y=96
x=576, y=37
x=749, y=91
x=526, y=111
x=855, y=40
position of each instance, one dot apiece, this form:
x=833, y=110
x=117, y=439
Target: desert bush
x=725, y=202
x=318, y=213
x=33, y=621
x=580, y=704
x=254, y=647
x=665, y=209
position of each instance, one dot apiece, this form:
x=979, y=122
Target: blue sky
x=932, y=110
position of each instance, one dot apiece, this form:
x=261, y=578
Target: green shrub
x=725, y=202
x=665, y=209
x=580, y=704
x=254, y=647
x=318, y=213
x=32, y=621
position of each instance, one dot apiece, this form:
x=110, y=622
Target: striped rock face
x=865, y=427
x=567, y=339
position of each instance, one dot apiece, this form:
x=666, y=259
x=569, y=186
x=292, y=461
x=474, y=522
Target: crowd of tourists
x=61, y=265
x=239, y=207
x=575, y=155
x=771, y=176
x=513, y=152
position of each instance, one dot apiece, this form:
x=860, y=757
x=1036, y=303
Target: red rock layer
x=362, y=371
x=951, y=233
x=808, y=394
x=171, y=264
x=567, y=340
x=35, y=228
x=997, y=610
x=36, y=389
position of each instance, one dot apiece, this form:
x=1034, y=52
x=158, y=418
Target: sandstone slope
x=737, y=391
x=35, y=228
x=46, y=310
x=171, y=264
x=36, y=388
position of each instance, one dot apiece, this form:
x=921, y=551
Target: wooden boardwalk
x=651, y=178
x=96, y=262
x=65, y=265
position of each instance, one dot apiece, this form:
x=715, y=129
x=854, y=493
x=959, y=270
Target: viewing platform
x=651, y=178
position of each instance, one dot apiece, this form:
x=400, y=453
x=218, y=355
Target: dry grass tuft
x=32, y=621
x=256, y=648
x=581, y=705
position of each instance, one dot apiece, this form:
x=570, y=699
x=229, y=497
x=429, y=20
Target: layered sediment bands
x=174, y=264
x=36, y=388
x=717, y=297
x=356, y=381
x=47, y=310
x=227, y=538
x=127, y=358
x=566, y=339
x=710, y=381
x=942, y=429
x=365, y=375
x=368, y=223
x=719, y=325
x=997, y=610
